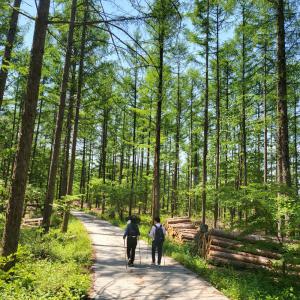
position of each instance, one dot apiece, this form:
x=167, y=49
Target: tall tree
x=18, y=186
x=10, y=39
x=59, y=123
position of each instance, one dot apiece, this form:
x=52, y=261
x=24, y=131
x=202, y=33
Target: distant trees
x=199, y=120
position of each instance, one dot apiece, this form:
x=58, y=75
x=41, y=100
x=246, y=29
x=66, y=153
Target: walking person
x=132, y=233
x=157, y=233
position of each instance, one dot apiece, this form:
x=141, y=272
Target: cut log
x=178, y=220
x=238, y=264
x=247, y=257
x=233, y=244
x=251, y=238
x=183, y=226
x=185, y=235
x=253, y=259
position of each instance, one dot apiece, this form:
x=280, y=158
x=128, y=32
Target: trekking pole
x=125, y=254
x=140, y=251
x=147, y=248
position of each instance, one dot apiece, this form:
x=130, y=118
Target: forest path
x=143, y=282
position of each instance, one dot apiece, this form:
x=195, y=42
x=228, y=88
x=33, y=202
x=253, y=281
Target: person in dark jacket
x=132, y=233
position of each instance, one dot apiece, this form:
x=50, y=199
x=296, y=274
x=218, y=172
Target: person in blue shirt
x=132, y=233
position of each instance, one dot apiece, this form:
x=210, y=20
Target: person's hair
x=157, y=219
x=133, y=219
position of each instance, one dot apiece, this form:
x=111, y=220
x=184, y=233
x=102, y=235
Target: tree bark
x=65, y=167
x=59, y=123
x=284, y=175
x=265, y=118
x=216, y=204
x=133, y=138
x=83, y=173
x=205, y=127
x=78, y=101
x=10, y=39
x=16, y=200
x=177, y=140
x=156, y=172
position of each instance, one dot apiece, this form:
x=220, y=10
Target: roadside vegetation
x=235, y=284
x=53, y=266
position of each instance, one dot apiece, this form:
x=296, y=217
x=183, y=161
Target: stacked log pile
x=245, y=251
x=232, y=248
x=182, y=229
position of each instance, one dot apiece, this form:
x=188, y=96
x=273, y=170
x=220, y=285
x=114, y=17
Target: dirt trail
x=143, y=282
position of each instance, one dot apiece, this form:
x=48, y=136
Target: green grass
x=237, y=285
x=52, y=266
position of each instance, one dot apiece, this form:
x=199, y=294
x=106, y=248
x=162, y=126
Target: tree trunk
x=205, y=129
x=104, y=151
x=59, y=123
x=133, y=139
x=83, y=173
x=265, y=118
x=243, y=122
x=177, y=140
x=65, y=167
x=283, y=134
x=156, y=172
x=216, y=205
x=16, y=200
x=295, y=146
x=78, y=101
x=10, y=39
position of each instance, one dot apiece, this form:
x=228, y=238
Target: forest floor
x=112, y=280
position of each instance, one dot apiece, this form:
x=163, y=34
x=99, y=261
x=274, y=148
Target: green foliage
x=53, y=266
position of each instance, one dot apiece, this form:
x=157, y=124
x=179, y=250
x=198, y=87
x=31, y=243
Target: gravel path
x=143, y=282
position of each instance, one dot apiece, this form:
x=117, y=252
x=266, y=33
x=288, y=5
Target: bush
x=52, y=266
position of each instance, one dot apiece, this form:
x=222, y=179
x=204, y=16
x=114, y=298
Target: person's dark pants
x=158, y=247
x=131, y=245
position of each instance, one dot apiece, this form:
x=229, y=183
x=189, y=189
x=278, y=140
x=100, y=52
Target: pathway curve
x=143, y=282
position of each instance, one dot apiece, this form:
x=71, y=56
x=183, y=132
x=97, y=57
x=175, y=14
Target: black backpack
x=159, y=236
x=133, y=229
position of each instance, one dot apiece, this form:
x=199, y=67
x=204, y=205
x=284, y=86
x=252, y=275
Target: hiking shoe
x=153, y=264
x=130, y=265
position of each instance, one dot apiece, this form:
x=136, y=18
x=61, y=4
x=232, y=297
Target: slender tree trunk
x=65, y=167
x=59, y=123
x=265, y=118
x=16, y=200
x=216, y=205
x=192, y=146
x=148, y=158
x=156, y=172
x=133, y=139
x=243, y=122
x=104, y=152
x=295, y=146
x=227, y=123
x=122, y=148
x=89, y=176
x=78, y=101
x=36, y=139
x=83, y=174
x=14, y=138
x=205, y=129
x=283, y=134
x=10, y=39
x=177, y=139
